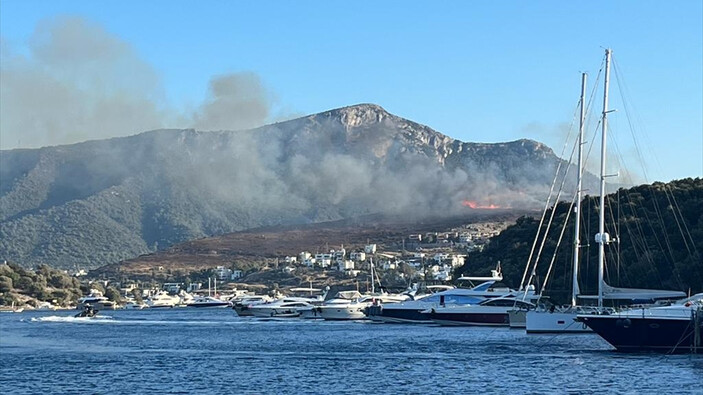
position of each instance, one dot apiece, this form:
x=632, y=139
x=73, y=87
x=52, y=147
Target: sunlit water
x=213, y=351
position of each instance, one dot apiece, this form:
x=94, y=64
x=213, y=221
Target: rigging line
x=534, y=267
x=626, y=106
x=695, y=249
x=660, y=219
x=556, y=248
x=547, y=203
x=551, y=217
x=637, y=242
x=614, y=227
x=640, y=239
x=676, y=218
x=645, y=246
x=675, y=270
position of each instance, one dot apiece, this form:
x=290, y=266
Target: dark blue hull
x=396, y=315
x=632, y=334
x=454, y=319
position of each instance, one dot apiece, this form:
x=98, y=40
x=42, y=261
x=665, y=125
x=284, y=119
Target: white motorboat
x=284, y=308
x=242, y=306
x=162, y=299
x=490, y=312
x=134, y=305
x=95, y=300
x=417, y=311
x=207, y=301
x=355, y=309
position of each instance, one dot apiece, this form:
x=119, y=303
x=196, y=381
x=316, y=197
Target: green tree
x=113, y=294
x=5, y=284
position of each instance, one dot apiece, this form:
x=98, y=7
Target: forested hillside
x=659, y=226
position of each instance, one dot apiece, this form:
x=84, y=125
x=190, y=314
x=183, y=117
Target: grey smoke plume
x=237, y=101
x=79, y=82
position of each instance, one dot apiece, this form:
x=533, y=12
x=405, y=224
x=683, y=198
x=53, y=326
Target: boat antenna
x=602, y=237
x=577, y=207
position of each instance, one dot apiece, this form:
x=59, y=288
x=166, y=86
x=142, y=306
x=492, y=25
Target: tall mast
x=373, y=280
x=577, y=208
x=602, y=237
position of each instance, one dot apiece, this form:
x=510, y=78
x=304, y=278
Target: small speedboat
x=87, y=312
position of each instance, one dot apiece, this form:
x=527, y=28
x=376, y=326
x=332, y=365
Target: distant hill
x=99, y=202
x=660, y=227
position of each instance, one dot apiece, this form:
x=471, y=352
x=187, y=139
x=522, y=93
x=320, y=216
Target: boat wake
x=61, y=318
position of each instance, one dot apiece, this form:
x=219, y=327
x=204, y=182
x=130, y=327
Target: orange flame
x=475, y=205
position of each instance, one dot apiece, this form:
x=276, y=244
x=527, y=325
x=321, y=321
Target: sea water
x=213, y=351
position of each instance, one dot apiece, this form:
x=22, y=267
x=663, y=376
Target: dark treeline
x=660, y=232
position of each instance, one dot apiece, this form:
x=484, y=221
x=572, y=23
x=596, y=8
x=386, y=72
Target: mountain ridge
x=101, y=201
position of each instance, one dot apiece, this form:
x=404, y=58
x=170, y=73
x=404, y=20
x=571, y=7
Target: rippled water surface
x=214, y=351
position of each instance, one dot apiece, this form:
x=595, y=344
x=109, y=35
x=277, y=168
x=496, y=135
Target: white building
x=304, y=256
x=309, y=262
x=236, y=274
x=439, y=257
x=344, y=265
x=338, y=255
x=223, y=273
x=291, y=260
x=415, y=237
x=358, y=256
x=370, y=249
x=323, y=260
x=458, y=260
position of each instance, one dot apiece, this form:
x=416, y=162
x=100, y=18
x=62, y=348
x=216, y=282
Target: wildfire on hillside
x=477, y=206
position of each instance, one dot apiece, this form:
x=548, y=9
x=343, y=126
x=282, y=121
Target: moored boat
x=207, y=301
x=672, y=329
x=491, y=312
x=418, y=311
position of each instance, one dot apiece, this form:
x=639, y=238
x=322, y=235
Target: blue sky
x=477, y=71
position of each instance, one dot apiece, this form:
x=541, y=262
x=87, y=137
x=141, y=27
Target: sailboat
x=670, y=329
x=560, y=320
x=564, y=320
x=209, y=300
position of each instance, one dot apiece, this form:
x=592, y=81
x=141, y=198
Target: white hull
x=518, y=319
x=347, y=312
x=556, y=322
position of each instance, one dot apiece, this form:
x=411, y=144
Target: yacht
x=134, y=305
x=418, y=311
x=490, y=312
x=292, y=307
x=669, y=329
x=207, y=301
x=162, y=299
x=354, y=308
x=96, y=300
x=242, y=306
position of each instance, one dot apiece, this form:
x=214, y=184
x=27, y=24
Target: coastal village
x=418, y=258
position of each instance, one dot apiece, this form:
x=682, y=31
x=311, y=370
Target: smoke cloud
x=236, y=101
x=78, y=82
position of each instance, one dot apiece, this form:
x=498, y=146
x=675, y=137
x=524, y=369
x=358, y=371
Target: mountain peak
x=363, y=114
